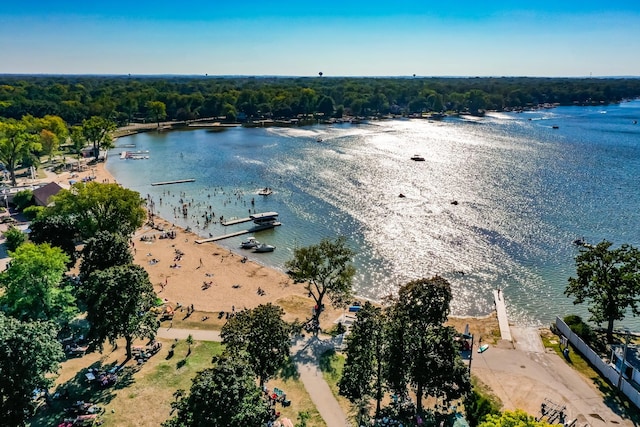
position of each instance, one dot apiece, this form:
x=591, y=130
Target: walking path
x=305, y=354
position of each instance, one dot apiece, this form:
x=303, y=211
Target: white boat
x=265, y=191
x=251, y=242
x=263, y=247
x=417, y=158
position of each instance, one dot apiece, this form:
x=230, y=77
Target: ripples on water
x=524, y=192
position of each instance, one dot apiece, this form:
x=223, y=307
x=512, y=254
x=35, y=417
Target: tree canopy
x=609, y=280
x=57, y=230
x=222, y=396
x=422, y=351
x=29, y=353
x=98, y=207
x=103, y=251
x=16, y=143
x=263, y=334
x=326, y=269
x=97, y=131
x=118, y=302
x=33, y=285
x=363, y=374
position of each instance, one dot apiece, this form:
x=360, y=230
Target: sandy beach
x=207, y=276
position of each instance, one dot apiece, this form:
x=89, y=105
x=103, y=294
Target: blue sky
x=347, y=38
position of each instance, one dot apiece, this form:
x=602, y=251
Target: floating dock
x=177, y=181
x=503, y=320
x=239, y=233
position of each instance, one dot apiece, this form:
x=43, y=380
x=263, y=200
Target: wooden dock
x=236, y=221
x=177, y=181
x=239, y=233
x=503, y=320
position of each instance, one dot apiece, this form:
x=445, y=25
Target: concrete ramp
x=527, y=339
x=501, y=310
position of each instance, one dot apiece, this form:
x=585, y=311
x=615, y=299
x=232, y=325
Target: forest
x=126, y=99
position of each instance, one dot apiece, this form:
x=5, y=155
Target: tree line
x=124, y=99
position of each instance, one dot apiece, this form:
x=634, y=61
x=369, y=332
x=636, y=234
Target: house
x=631, y=361
x=42, y=195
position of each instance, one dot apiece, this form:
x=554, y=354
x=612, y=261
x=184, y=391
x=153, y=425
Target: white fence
x=605, y=368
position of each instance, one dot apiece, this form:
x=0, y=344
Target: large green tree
x=609, y=280
x=57, y=230
x=223, y=396
x=421, y=349
x=326, y=270
x=29, y=354
x=363, y=375
x=157, y=110
x=33, y=285
x=16, y=143
x=118, y=302
x=103, y=251
x=263, y=335
x=97, y=131
x=100, y=207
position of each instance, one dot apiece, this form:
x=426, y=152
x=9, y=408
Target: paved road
x=524, y=376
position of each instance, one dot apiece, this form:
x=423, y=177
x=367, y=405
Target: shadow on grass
x=289, y=370
x=79, y=388
x=325, y=361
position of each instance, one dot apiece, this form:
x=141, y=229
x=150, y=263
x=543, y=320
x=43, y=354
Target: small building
x=631, y=362
x=42, y=195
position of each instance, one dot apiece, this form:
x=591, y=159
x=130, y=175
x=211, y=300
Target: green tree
x=15, y=237
x=477, y=405
x=609, y=279
x=29, y=354
x=22, y=199
x=157, y=110
x=263, y=335
x=118, y=302
x=362, y=377
x=517, y=418
x=100, y=207
x=97, y=131
x=326, y=270
x=78, y=140
x=326, y=106
x=16, y=143
x=33, y=285
x=49, y=142
x=421, y=349
x=103, y=251
x=222, y=396
x=57, y=230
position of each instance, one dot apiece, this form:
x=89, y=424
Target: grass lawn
x=143, y=394
x=332, y=365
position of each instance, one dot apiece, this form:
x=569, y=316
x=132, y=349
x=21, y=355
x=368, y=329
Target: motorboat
x=263, y=247
x=266, y=191
x=251, y=242
x=417, y=158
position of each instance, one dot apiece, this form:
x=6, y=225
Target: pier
x=177, y=181
x=239, y=233
x=503, y=320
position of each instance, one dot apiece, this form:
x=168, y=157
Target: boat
x=263, y=247
x=319, y=140
x=417, y=158
x=251, y=242
x=483, y=348
x=266, y=218
x=266, y=191
x=555, y=127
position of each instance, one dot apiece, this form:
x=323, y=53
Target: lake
x=497, y=202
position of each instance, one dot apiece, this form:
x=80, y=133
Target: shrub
x=478, y=404
x=580, y=328
x=22, y=199
x=32, y=212
x=15, y=237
